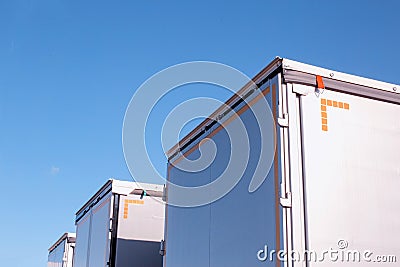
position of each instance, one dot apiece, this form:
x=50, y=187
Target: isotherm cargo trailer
x=121, y=225
x=61, y=252
x=329, y=195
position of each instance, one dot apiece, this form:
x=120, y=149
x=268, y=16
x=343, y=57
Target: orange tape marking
x=324, y=114
x=130, y=201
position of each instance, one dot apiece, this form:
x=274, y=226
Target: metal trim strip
x=103, y=192
x=114, y=231
x=298, y=77
x=67, y=237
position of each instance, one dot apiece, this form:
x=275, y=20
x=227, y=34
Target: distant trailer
x=61, y=253
x=122, y=225
x=331, y=194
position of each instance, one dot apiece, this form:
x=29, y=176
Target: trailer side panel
x=233, y=229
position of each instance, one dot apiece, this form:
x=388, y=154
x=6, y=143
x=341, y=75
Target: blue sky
x=69, y=68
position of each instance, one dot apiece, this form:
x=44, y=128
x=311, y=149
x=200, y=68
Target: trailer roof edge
x=119, y=187
x=288, y=64
x=262, y=75
x=70, y=237
x=285, y=64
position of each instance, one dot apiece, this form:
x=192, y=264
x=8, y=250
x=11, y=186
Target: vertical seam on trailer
x=303, y=182
x=209, y=232
x=276, y=178
x=89, y=238
x=285, y=159
x=114, y=233
x=166, y=218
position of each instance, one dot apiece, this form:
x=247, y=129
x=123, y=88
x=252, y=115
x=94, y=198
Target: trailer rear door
x=351, y=164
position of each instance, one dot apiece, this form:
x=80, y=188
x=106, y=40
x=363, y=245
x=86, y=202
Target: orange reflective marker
x=320, y=82
x=130, y=201
x=324, y=114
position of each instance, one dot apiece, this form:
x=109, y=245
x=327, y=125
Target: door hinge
x=284, y=122
x=111, y=225
x=162, y=248
x=287, y=201
x=164, y=193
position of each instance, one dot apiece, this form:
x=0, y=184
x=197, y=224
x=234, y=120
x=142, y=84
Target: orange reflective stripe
x=130, y=201
x=324, y=114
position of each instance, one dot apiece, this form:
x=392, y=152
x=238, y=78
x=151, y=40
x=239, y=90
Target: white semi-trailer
x=330, y=194
x=121, y=225
x=61, y=252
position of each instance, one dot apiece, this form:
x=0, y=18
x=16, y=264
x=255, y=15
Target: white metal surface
x=141, y=218
x=351, y=177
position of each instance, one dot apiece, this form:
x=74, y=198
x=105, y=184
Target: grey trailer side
x=62, y=251
x=121, y=225
x=332, y=184
x=229, y=231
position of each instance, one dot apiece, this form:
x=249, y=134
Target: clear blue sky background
x=69, y=68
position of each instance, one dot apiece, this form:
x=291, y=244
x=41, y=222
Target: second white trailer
x=61, y=253
x=330, y=197
x=122, y=225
